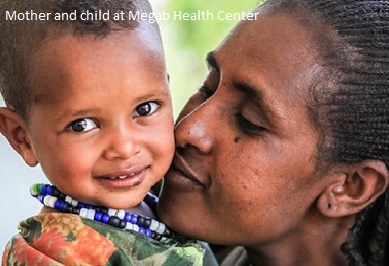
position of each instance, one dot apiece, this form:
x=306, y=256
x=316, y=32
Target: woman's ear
x=353, y=188
x=13, y=127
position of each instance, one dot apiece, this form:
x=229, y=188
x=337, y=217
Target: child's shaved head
x=21, y=39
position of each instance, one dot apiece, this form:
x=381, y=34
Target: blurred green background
x=187, y=42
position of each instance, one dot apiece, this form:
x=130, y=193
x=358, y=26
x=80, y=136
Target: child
x=89, y=100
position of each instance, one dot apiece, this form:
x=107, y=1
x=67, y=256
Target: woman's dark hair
x=350, y=102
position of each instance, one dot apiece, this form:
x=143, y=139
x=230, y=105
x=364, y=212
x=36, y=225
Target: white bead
x=154, y=225
x=161, y=228
x=136, y=227
x=68, y=199
x=46, y=201
x=121, y=214
x=112, y=212
x=91, y=214
x=74, y=202
x=52, y=201
x=129, y=226
x=83, y=212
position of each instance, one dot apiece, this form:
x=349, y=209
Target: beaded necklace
x=50, y=196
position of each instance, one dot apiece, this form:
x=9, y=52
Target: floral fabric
x=66, y=239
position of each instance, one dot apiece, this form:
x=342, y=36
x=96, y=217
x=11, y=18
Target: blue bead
x=151, y=200
x=142, y=230
x=44, y=189
x=105, y=218
x=49, y=190
x=127, y=217
x=63, y=205
x=98, y=216
x=57, y=204
x=134, y=219
x=148, y=232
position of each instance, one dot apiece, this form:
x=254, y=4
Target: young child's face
x=101, y=123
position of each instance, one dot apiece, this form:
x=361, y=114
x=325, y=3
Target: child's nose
x=122, y=145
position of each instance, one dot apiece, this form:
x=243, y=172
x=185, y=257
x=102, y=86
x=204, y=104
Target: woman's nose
x=121, y=144
x=196, y=129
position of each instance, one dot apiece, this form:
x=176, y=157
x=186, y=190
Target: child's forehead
x=71, y=62
x=122, y=37
x=131, y=43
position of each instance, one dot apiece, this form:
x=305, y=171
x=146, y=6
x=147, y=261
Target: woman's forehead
x=276, y=50
x=280, y=34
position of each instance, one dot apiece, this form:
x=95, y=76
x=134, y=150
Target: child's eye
x=145, y=109
x=82, y=125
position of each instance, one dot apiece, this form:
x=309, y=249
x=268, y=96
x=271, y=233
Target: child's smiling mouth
x=125, y=179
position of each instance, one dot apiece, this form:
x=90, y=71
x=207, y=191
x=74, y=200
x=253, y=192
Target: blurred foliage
x=188, y=41
x=200, y=34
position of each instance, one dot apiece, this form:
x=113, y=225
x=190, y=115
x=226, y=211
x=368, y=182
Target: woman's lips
x=181, y=174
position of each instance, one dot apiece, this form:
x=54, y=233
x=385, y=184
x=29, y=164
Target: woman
x=285, y=147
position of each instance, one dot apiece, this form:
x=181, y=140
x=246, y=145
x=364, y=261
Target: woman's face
x=245, y=166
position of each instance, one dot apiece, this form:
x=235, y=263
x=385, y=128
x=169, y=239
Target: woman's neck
x=317, y=245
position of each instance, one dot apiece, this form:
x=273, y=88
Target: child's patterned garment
x=66, y=239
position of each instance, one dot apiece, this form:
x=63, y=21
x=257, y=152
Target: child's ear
x=13, y=127
x=354, y=187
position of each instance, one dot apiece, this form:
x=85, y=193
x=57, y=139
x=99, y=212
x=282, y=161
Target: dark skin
x=245, y=170
x=119, y=152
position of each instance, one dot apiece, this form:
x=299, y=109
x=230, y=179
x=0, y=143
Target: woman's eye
x=82, y=125
x=206, y=92
x=210, y=84
x=145, y=109
x=248, y=126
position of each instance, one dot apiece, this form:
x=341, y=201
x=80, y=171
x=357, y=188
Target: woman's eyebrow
x=211, y=60
x=257, y=95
